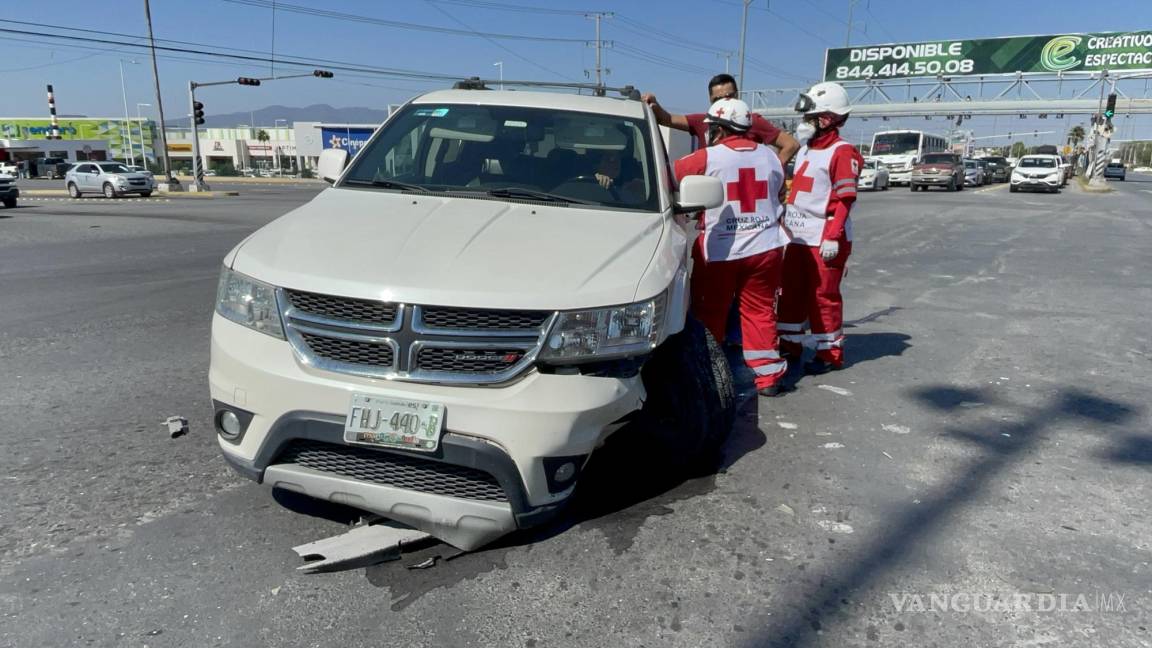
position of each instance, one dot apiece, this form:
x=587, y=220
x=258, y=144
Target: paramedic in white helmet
x=823, y=191
x=740, y=252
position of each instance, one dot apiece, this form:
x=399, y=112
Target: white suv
x=496, y=283
x=1037, y=172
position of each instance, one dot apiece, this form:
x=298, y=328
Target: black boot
x=779, y=389
x=819, y=366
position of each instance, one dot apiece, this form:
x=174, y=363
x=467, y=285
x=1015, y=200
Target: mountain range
x=268, y=115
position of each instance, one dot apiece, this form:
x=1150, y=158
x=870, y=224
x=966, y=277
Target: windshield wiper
x=389, y=184
x=532, y=194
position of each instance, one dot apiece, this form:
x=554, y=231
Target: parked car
x=874, y=175
x=1040, y=171
x=9, y=192
x=111, y=179
x=1000, y=168
x=1115, y=171
x=139, y=169
x=938, y=170
x=48, y=167
x=9, y=168
x=446, y=341
x=987, y=169
x=973, y=173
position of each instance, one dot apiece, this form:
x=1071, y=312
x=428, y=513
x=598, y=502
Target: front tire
x=109, y=190
x=691, y=403
x=1013, y=189
x=145, y=194
x=73, y=190
x=9, y=203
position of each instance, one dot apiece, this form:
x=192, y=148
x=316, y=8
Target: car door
x=80, y=176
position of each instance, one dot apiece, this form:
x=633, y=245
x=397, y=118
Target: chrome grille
x=467, y=361
x=391, y=469
x=468, y=319
x=360, y=352
x=365, y=311
x=434, y=344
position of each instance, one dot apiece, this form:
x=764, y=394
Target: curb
x=1082, y=185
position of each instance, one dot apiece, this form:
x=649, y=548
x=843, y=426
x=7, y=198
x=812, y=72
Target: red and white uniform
x=823, y=190
x=740, y=252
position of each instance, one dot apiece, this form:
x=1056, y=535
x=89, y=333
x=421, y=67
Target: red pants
x=754, y=281
x=811, y=299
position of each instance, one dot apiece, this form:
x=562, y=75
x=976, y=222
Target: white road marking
x=896, y=429
x=834, y=527
x=832, y=446
x=835, y=390
x=787, y=426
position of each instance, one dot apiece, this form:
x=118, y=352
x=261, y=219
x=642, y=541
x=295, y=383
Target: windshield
x=896, y=144
x=113, y=168
x=996, y=160
x=938, y=158
x=970, y=164
x=1045, y=163
x=1115, y=165
x=869, y=164
x=512, y=152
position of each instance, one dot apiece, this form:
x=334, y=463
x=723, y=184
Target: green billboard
x=988, y=56
x=113, y=131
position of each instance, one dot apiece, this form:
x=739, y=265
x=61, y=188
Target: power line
x=347, y=67
x=502, y=6
x=500, y=45
x=339, y=15
x=879, y=23
x=650, y=57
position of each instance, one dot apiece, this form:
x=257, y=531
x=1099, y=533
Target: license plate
x=394, y=423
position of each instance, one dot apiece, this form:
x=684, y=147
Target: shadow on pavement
x=1004, y=442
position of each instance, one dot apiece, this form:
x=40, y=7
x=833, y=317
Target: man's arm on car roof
x=663, y=117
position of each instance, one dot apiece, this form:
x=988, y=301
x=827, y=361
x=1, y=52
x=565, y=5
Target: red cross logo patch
x=747, y=190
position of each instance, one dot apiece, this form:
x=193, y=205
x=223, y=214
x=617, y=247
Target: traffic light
x=248, y=81
x=323, y=74
x=1110, y=107
x=198, y=113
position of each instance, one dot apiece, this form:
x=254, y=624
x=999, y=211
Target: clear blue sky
x=786, y=39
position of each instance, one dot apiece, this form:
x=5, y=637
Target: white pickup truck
x=494, y=285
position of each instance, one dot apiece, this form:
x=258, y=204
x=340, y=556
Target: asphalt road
x=989, y=438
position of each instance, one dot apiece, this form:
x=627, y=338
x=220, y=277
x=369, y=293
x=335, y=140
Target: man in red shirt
x=740, y=251
x=723, y=86
x=823, y=192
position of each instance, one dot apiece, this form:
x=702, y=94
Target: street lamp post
x=127, y=119
x=500, y=64
x=276, y=146
x=140, y=123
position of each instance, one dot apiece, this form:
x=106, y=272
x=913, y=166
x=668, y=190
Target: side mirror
x=698, y=193
x=332, y=162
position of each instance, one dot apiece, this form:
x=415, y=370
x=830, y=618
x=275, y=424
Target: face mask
x=805, y=132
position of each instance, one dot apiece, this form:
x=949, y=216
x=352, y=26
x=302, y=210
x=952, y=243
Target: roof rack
x=476, y=83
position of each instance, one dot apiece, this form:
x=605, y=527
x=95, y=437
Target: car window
x=939, y=159
x=1042, y=163
x=869, y=164
x=82, y=168
x=1115, y=165
x=476, y=149
x=969, y=164
x=113, y=167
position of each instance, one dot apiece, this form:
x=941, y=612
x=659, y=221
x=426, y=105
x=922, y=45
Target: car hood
x=430, y=249
x=935, y=166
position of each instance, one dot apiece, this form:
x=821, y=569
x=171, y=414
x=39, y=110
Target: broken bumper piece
x=464, y=524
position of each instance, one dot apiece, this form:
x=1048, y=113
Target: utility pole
x=743, y=40
x=1102, y=133
x=727, y=56
x=127, y=117
x=599, y=70
x=162, y=139
x=848, y=37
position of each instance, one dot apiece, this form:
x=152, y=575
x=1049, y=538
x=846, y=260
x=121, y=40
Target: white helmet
x=824, y=97
x=730, y=113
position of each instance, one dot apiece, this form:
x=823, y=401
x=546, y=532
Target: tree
x=262, y=135
x=1076, y=135
x=1019, y=149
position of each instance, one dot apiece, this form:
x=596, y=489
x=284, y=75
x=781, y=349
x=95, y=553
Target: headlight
x=605, y=332
x=248, y=302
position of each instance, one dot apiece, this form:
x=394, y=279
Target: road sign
x=1029, y=54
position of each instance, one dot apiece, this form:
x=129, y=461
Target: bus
x=899, y=150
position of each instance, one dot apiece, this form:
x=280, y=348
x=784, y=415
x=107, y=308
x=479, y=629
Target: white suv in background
x=496, y=283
